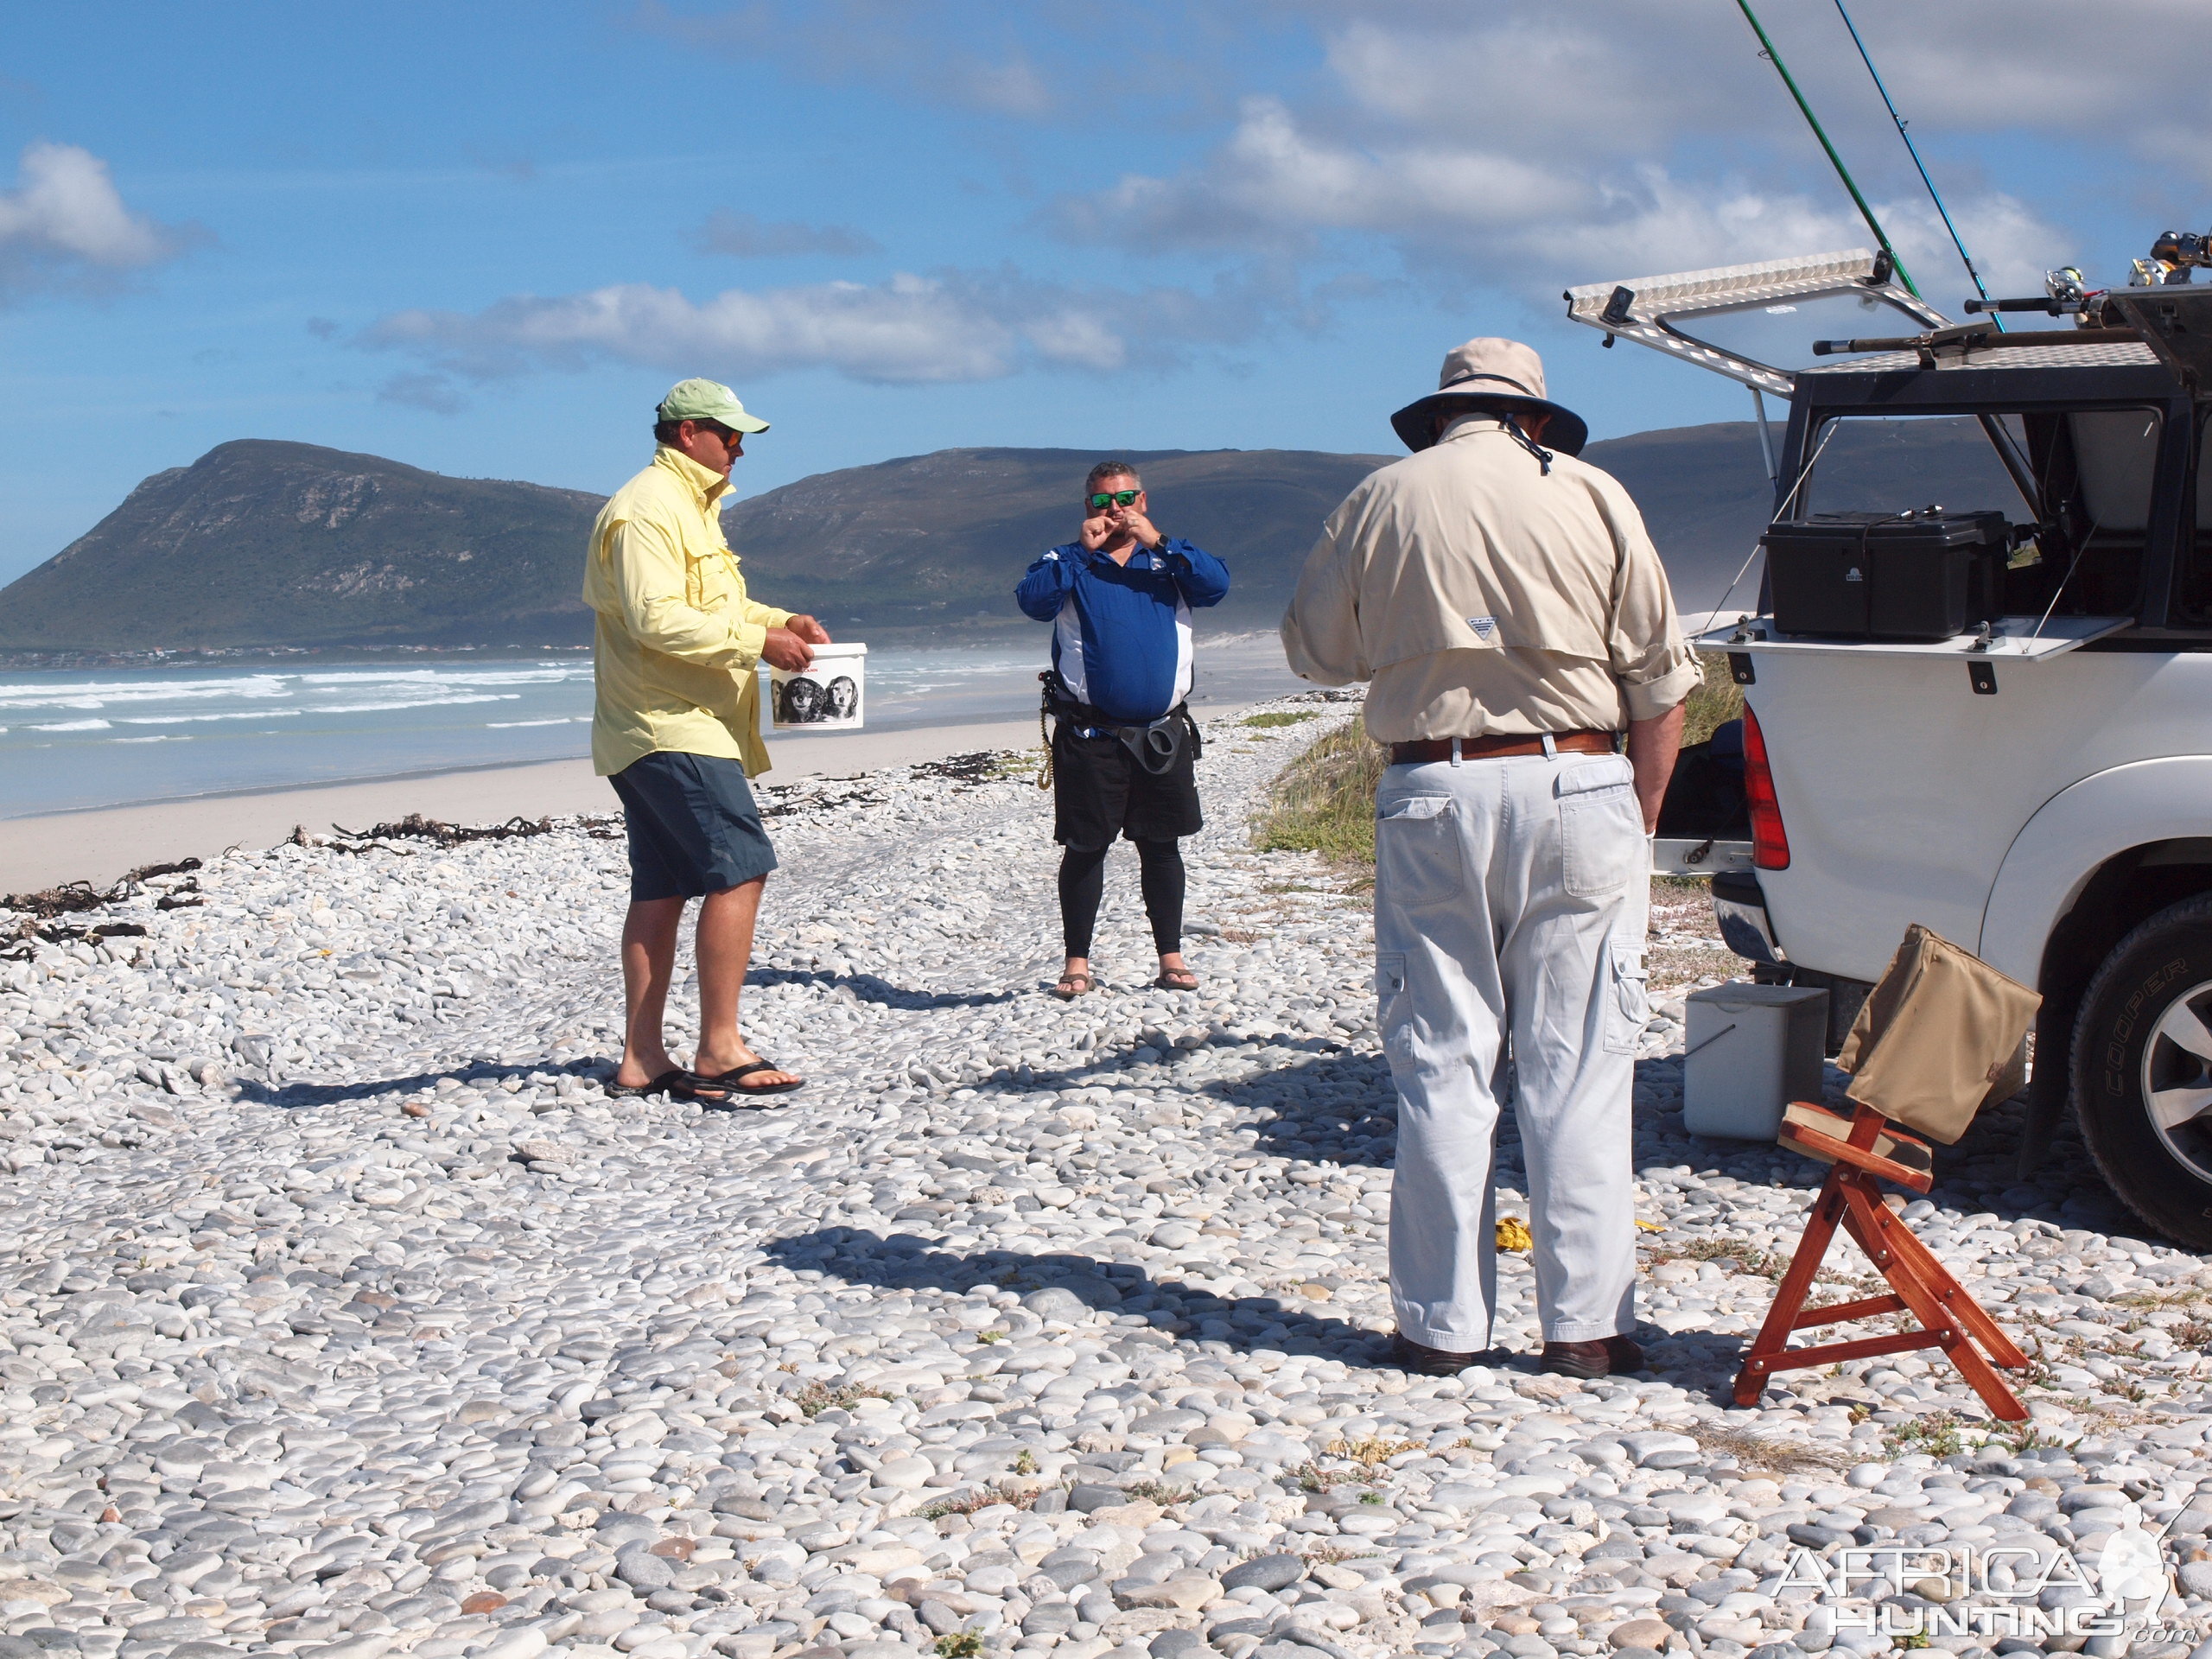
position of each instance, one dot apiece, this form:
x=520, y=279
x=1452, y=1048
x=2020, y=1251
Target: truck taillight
x=1770, y=841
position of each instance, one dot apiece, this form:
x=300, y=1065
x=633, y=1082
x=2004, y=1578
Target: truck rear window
x=2082, y=537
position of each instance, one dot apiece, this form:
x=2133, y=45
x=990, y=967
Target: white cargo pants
x=1511, y=897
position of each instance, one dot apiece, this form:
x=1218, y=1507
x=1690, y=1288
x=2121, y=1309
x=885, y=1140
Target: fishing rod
x=1913, y=151
x=1881, y=237
x=2007, y=450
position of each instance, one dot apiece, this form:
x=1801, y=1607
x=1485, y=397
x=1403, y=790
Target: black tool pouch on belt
x=1159, y=746
x=1156, y=746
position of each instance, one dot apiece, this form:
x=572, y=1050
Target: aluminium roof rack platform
x=1755, y=323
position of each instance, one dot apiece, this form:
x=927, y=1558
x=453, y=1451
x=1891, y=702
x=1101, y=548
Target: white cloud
x=1552, y=82
x=1274, y=181
x=1519, y=144
x=64, y=215
x=1609, y=73
x=1273, y=177
x=1513, y=145
x=957, y=327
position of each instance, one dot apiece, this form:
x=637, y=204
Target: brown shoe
x=1613, y=1357
x=1410, y=1356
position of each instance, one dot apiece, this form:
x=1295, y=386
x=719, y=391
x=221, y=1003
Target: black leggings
x=1082, y=884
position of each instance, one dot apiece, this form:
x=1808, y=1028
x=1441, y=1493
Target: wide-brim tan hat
x=1502, y=371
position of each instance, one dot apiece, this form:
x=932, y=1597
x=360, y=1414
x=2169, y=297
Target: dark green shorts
x=694, y=827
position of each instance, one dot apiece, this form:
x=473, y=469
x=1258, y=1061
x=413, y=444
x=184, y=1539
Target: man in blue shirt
x=1124, y=748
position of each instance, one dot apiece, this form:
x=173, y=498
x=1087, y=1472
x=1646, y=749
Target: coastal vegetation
x=1324, y=801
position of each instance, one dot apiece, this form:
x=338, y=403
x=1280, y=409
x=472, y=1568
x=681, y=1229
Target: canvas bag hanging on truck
x=1939, y=1038
x=1921, y=574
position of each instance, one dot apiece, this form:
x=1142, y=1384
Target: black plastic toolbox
x=1924, y=573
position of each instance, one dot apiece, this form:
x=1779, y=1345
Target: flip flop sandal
x=1174, y=979
x=677, y=1085
x=732, y=1086
x=1074, y=985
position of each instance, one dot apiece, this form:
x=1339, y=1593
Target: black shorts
x=1099, y=792
x=694, y=829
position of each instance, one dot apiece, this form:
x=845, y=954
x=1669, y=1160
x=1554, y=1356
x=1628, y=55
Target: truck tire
x=2143, y=1070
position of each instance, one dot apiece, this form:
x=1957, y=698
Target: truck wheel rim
x=2177, y=1078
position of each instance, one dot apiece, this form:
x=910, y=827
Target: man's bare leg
x=725, y=950
x=648, y=964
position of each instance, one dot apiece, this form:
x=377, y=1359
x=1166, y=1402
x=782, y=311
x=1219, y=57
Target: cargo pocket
x=1392, y=1017
x=1600, y=828
x=1417, y=857
x=1628, y=997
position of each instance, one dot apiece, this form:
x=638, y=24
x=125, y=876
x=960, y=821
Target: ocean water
x=74, y=739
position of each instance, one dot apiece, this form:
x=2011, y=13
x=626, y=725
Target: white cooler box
x=1749, y=1051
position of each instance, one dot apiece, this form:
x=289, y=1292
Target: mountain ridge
x=268, y=543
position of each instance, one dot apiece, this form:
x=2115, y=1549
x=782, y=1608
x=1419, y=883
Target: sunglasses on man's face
x=1106, y=498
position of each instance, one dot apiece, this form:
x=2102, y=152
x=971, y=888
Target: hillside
x=262, y=542
x=933, y=538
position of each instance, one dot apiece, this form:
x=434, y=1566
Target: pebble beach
x=342, y=1314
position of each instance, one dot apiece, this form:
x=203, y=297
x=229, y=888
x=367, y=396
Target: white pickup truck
x=2037, y=783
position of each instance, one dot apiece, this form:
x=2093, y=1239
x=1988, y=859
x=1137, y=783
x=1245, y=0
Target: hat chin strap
x=1543, y=455
x=1511, y=428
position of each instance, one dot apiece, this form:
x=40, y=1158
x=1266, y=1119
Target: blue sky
x=482, y=238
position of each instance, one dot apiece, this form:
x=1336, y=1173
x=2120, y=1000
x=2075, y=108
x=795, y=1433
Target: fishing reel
x=2066, y=292
x=2173, y=256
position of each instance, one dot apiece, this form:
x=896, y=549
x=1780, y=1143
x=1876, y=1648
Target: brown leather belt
x=1423, y=750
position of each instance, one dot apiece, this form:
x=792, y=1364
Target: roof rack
x=1641, y=309
x=1963, y=337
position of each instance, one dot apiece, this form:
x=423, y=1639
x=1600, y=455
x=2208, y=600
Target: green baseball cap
x=706, y=400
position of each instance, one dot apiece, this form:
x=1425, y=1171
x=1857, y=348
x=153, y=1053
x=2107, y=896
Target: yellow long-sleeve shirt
x=677, y=645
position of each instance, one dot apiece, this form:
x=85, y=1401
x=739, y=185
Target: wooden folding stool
x=1861, y=1150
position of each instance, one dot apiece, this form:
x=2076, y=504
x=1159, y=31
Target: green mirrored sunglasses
x=1106, y=498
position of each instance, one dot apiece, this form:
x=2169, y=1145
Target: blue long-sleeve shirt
x=1121, y=634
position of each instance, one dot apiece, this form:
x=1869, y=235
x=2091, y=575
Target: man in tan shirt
x=1512, y=618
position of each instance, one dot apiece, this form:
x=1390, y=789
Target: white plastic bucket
x=831, y=696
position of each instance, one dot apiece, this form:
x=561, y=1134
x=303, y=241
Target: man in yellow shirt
x=676, y=728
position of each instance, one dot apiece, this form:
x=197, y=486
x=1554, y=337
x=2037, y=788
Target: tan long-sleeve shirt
x=1478, y=595
x=677, y=649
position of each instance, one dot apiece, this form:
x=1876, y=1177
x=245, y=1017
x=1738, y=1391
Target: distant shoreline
x=581, y=758
x=1233, y=667
x=985, y=631
x=99, y=843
